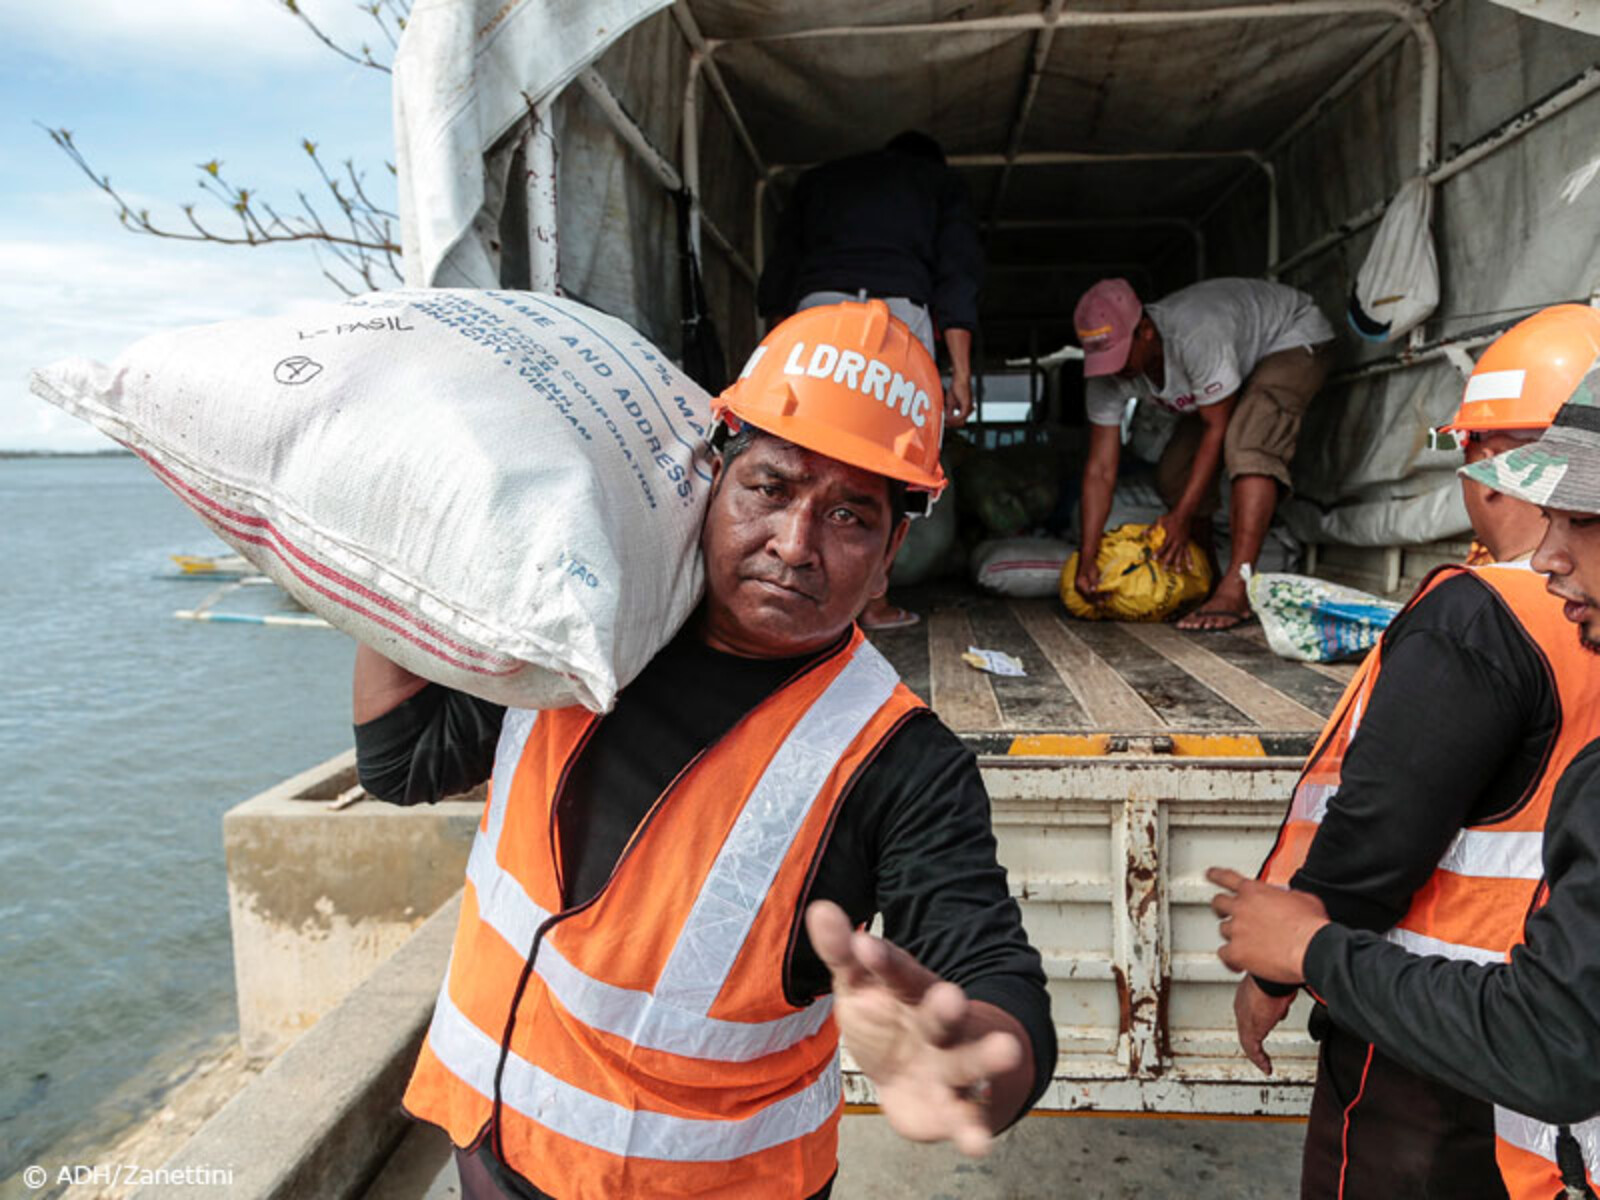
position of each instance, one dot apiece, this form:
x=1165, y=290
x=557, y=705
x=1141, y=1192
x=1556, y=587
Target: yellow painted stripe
x=1093, y=745
x=1120, y=1115
x=1061, y=745
x=1217, y=745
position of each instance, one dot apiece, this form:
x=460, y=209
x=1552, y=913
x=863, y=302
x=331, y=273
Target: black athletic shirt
x=1526, y=1036
x=912, y=839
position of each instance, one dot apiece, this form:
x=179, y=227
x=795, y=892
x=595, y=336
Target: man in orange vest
x=1449, y=740
x=1469, y=988
x=633, y=1008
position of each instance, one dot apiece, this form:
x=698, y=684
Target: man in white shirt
x=1239, y=360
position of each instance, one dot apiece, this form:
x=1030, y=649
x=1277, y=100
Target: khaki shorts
x=1263, y=430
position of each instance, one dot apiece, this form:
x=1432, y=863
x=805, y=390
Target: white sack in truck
x=1397, y=287
x=500, y=491
x=1025, y=566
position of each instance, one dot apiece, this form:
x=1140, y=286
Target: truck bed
x=1128, y=760
x=1095, y=684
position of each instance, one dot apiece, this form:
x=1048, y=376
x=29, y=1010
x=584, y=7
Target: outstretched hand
x=933, y=1055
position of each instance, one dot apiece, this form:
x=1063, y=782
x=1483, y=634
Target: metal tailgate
x=1126, y=761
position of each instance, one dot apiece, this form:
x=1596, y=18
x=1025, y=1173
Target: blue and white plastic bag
x=1313, y=620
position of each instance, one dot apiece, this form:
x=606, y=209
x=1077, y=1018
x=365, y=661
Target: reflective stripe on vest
x=1526, y=1151
x=1508, y=855
x=1421, y=943
x=653, y=1050
x=472, y=1055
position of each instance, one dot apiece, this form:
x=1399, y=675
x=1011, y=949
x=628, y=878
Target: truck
x=636, y=154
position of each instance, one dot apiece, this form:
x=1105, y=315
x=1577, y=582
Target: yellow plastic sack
x=1137, y=587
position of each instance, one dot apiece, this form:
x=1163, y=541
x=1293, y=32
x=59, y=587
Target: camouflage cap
x=1561, y=469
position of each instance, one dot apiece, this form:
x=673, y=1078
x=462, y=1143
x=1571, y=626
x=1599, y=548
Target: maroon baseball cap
x=1105, y=319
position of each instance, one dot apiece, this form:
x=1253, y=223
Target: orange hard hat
x=851, y=382
x=1529, y=371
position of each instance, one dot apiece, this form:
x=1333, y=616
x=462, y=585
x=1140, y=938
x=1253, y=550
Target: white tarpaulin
x=1508, y=241
x=1582, y=15
x=1173, y=196
x=465, y=74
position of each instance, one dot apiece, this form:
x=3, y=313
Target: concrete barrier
x=324, y=883
x=325, y=1115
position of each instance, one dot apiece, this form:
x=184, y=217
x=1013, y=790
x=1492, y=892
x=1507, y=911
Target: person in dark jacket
x=1519, y=1029
x=1461, y=722
x=896, y=224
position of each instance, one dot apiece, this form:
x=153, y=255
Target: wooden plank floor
x=1089, y=677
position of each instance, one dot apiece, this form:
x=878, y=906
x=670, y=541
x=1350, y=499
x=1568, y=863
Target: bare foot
x=1229, y=606
x=880, y=614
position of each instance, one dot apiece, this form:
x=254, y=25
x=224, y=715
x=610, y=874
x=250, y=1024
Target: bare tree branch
x=366, y=246
x=368, y=249
x=364, y=59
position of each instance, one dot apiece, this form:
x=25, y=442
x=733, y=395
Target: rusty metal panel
x=1106, y=857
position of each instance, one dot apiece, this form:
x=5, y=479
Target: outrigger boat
x=233, y=572
x=213, y=566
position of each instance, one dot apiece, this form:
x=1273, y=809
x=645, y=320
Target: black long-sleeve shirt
x=1455, y=732
x=912, y=839
x=892, y=223
x=1524, y=1035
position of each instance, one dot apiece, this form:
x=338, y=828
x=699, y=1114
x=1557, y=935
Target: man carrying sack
x=633, y=1008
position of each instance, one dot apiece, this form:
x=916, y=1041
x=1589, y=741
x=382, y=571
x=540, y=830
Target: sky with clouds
x=149, y=90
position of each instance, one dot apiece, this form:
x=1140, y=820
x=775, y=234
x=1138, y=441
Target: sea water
x=125, y=734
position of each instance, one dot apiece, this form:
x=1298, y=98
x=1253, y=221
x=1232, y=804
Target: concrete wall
x=325, y=1115
x=318, y=896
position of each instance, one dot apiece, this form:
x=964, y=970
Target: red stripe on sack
x=323, y=569
x=314, y=585
x=257, y=540
x=1344, y=1134
x=278, y=545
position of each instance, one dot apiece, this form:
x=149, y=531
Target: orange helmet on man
x=1528, y=372
x=849, y=381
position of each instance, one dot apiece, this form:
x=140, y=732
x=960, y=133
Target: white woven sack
x=1020, y=566
x=501, y=491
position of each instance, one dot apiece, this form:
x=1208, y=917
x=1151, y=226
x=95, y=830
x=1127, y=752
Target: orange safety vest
x=640, y=1043
x=1474, y=905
